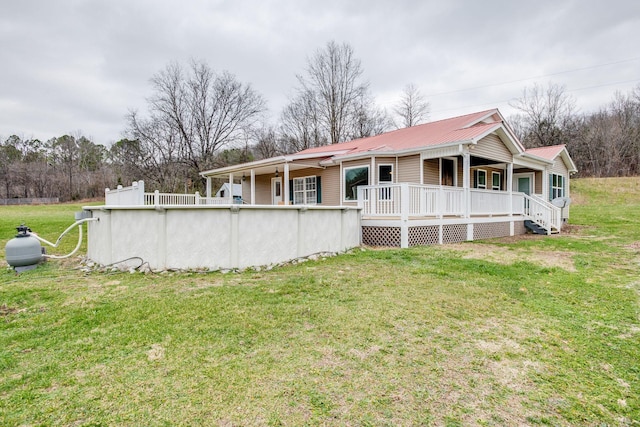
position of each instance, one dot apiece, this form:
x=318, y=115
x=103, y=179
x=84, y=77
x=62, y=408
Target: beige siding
x=263, y=185
x=263, y=189
x=246, y=190
x=353, y=163
x=491, y=147
x=432, y=172
x=331, y=186
x=538, y=183
x=559, y=167
x=461, y=172
x=409, y=169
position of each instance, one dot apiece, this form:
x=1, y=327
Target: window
x=305, y=191
x=385, y=173
x=385, y=176
x=353, y=177
x=481, y=178
x=496, y=179
x=556, y=186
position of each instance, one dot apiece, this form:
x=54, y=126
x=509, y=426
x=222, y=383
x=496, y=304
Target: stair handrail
x=556, y=212
x=543, y=212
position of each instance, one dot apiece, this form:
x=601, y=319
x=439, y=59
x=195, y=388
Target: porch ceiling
x=265, y=169
x=480, y=161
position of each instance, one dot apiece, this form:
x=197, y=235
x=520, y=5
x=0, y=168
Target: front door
x=523, y=182
x=276, y=191
x=524, y=185
x=447, y=172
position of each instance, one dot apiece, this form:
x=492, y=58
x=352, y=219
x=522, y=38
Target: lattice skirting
x=423, y=235
x=381, y=236
x=490, y=230
x=454, y=233
x=429, y=234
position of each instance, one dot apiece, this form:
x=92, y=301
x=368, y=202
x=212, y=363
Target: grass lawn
x=529, y=331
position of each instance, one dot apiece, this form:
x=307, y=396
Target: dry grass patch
x=509, y=255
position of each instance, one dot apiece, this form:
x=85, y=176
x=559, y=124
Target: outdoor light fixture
x=244, y=178
x=277, y=174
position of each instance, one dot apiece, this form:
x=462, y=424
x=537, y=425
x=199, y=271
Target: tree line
x=199, y=119
x=604, y=143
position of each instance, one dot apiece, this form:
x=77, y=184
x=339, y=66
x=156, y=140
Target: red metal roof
x=462, y=128
x=549, y=153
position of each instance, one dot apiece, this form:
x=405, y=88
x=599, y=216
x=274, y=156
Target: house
x=461, y=178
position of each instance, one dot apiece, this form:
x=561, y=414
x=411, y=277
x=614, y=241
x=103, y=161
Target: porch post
x=208, y=186
x=466, y=181
x=373, y=192
x=510, y=187
x=404, y=214
x=253, y=186
x=372, y=174
x=231, y=187
x=286, y=184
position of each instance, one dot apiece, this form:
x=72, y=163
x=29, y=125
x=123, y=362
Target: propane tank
x=24, y=251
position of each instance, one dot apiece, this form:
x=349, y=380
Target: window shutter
x=550, y=186
x=318, y=190
x=475, y=178
x=291, y=191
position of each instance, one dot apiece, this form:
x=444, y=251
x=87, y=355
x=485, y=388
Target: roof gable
x=552, y=152
x=549, y=152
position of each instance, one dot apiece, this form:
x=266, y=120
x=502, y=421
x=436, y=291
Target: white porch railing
x=172, y=199
x=432, y=201
x=542, y=212
x=405, y=200
x=490, y=202
x=131, y=196
x=134, y=195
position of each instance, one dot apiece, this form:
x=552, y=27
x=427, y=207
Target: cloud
x=76, y=65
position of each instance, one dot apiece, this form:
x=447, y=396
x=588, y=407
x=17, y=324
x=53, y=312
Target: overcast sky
x=73, y=66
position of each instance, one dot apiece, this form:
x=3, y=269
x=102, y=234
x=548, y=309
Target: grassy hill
x=521, y=331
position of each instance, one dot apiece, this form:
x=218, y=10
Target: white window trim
x=557, y=189
x=478, y=179
x=385, y=193
x=392, y=173
x=494, y=173
x=532, y=181
x=305, y=190
x=343, y=179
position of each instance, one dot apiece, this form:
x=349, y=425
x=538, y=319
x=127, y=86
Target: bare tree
x=301, y=125
x=369, y=120
x=328, y=99
x=412, y=109
x=268, y=143
x=548, y=115
x=192, y=115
